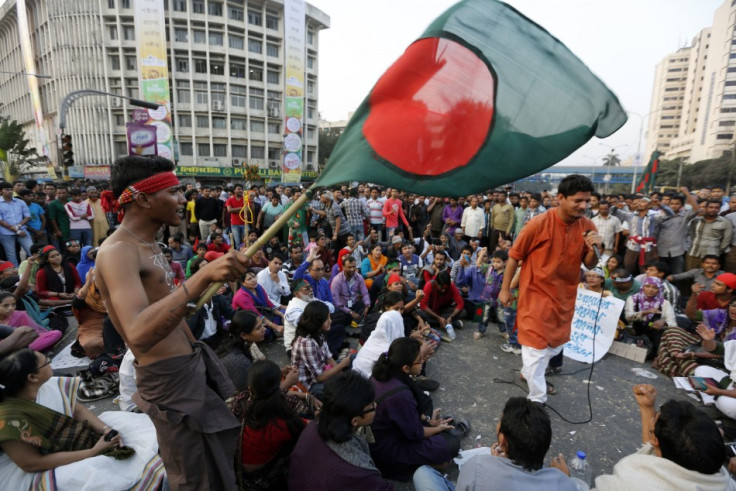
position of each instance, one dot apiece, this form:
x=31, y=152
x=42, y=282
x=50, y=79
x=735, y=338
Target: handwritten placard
x=584, y=322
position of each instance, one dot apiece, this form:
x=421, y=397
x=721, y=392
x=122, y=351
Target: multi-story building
x=226, y=75
x=704, y=110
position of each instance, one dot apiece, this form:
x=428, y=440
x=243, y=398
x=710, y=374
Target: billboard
x=294, y=45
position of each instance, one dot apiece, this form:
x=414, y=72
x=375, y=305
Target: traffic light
x=67, y=156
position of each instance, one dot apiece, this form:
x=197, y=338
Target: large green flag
x=484, y=97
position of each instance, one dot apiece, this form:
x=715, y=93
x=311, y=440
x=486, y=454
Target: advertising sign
x=294, y=45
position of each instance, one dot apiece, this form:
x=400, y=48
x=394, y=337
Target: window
x=731, y=82
x=257, y=126
x=274, y=128
x=237, y=96
x=237, y=124
x=724, y=136
x=115, y=62
x=727, y=123
x=239, y=151
x=272, y=77
x=310, y=112
x=203, y=122
x=113, y=32
x=201, y=97
x=200, y=65
x=310, y=87
x=132, y=92
x=217, y=96
x=217, y=67
x=729, y=96
x=272, y=22
x=272, y=50
x=256, y=74
x=181, y=6
x=237, y=70
x=255, y=46
x=310, y=37
x=273, y=95
x=128, y=33
x=199, y=37
x=185, y=121
x=119, y=120
x=198, y=6
x=731, y=69
x=219, y=123
x=274, y=153
x=219, y=150
x=255, y=103
x=181, y=35
x=254, y=18
x=124, y=4
x=111, y=4
x=216, y=38
x=310, y=61
x=203, y=149
x=257, y=152
x=185, y=148
x=130, y=63
x=237, y=42
x=121, y=148
x=235, y=13
x=182, y=65
x=184, y=96
x=214, y=8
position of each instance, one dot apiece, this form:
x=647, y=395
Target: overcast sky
x=620, y=40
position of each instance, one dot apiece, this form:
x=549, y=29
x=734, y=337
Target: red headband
x=149, y=185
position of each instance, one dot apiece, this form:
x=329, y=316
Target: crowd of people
x=361, y=287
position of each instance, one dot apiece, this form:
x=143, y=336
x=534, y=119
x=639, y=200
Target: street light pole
x=73, y=97
x=37, y=75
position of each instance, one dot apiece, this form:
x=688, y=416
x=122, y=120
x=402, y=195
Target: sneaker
x=509, y=348
x=457, y=324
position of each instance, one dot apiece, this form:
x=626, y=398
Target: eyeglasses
x=371, y=409
x=318, y=269
x=48, y=362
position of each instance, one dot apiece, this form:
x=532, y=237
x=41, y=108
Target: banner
x=580, y=346
x=30, y=68
x=141, y=139
x=153, y=75
x=99, y=172
x=294, y=45
x=234, y=172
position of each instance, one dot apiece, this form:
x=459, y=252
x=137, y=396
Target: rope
x=246, y=210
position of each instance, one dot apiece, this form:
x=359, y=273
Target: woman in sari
x=253, y=298
x=373, y=265
x=90, y=312
x=50, y=441
x=680, y=352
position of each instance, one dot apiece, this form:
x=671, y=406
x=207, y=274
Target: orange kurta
x=552, y=252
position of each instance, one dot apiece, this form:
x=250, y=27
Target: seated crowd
x=360, y=288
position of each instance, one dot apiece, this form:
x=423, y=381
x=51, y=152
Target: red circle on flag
x=432, y=110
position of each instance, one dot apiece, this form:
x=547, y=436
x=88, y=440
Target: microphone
x=595, y=247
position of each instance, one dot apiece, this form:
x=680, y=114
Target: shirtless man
x=181, y=384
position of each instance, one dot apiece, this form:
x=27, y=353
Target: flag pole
x=258, y=244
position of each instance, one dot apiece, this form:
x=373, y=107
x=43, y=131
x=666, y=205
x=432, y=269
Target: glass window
x=217, y=67
x=237, y=124
x=199, y=37
x=181, y=6
x=257, y=152
x=256, y=74
x=203, y=122
x=128, y=33
x=274, y=153
x=201, y=97
x=218, y=97
x=219, y=123
x=115, y=62
x=236, y=42
x=310, y=37
x=257, y=126
x=272, y=22
x=182, y=65
x=236, y=13
x=237, y=70
x=310, y=61
x=272, y=77
x=125, y=4
x=256, y=103
x=239, y=151
x=272, y=50
x=130, y=63
x=181, y=35
x=310, y=87
x=119, y=120
x=198, y=6
x=121, y=148
x=185, y=121
x=216, y=38
x=255, y=46
x=237, y=100
x=200, y=66
x=185, y=148
x=184, y=96
x=254, y=18
x=219, y=150
x=274, y=128
x=203, y=149
x=113, y=32
x=214, y=8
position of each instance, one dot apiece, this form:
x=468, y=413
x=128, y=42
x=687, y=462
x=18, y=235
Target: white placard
x=580, y=346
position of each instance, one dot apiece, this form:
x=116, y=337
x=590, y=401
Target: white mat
x=65, y=360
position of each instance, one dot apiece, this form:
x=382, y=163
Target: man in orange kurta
x=552, y=247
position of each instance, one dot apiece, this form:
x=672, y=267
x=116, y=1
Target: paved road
x=470, y=373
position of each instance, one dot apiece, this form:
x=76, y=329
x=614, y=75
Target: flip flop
x=551, y=390
x=477, y=335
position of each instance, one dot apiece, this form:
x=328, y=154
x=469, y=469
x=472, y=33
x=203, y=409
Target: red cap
x=728, y=279
x=212, y=255
x=394, y=278
x=6, y=265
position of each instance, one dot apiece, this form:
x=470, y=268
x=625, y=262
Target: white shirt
x=472, y=221
x=607, y=229
x=274, y=290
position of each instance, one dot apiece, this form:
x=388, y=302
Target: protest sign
x=580, y=346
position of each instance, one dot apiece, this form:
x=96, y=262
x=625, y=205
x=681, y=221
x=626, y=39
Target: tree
x=611, y=160
x=327, y=139
x=16, y=156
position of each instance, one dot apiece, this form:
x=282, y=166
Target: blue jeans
x=510, y=315
x=83, y=235
x=8, y=243
x=428, y=478
x=238, y=233
x=358, y=232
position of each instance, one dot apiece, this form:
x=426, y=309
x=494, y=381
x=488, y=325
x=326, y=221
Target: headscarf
x=647, y=303
x=85, y=263
x=718, y=320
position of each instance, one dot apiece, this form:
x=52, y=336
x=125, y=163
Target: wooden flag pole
x=258, y=244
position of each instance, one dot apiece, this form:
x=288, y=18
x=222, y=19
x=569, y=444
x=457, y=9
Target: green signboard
x=232, y=172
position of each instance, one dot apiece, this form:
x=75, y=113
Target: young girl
x=15, y=318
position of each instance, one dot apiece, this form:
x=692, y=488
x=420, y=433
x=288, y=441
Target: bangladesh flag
x=645, y=184
x=484, y=97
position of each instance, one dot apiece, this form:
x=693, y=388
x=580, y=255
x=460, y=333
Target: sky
x=621, y=41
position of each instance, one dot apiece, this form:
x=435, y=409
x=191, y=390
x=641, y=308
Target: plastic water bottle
x=450, y=331
x=580, y=470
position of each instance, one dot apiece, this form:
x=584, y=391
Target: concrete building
x=703, y=112
x=226, y=75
